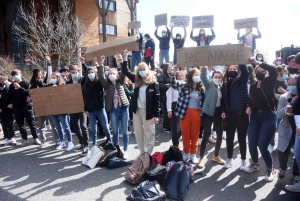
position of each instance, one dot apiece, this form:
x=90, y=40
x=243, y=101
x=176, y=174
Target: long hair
x=60, y=80
x=226, y=77
x=140, y=81
x=35, y=73
x=190, y=83
x=204, y=35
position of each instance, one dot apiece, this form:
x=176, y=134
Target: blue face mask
x=106, y=73
x=292, y=89
x=91, y=76
x=17, y=78
x=142, y=73
x=196, y=79
x=74, y=76
x=53, y=81
x=285, y=76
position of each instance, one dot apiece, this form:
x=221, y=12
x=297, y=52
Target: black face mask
x=260, y=76
x=232, y=74
x=1, y=84
x=293, y=70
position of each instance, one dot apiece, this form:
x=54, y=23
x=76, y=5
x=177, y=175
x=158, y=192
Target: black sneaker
x=78, y=148
x=281, y=174
x=84, y=151
x=296, y=179
x=166, y=130
x=130, y=124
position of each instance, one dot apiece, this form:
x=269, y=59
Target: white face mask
x=217, y=81
x=178, y=37
x=259, y=58
x=163, y=34
x=112, y=77
x=184, y=71
x=278, y=62
x=201, y=32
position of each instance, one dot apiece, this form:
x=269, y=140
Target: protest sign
x=134, y=25
x=111, y=47
x=206, y=21
x=245, y=23
x=180, y=21
x=57, y=100
x=161, y=20
x=214, y=55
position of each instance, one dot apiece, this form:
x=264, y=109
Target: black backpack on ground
x=109, y=152
x=173, y=154
x=157, y=173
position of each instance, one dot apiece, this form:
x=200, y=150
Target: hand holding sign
x=48, y=59
x=82, y=59
x=95, y=61
x=102, y=59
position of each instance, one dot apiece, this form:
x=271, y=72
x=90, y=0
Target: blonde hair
x=139, y=81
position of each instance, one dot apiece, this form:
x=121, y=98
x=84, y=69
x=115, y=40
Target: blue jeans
x=61, y=124
x=136, y=58
x=297, y=151
x=163, y=54
x=118, y=116
x=262, y=128
x=101, y=114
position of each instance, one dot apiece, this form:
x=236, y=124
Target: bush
x=7, y=65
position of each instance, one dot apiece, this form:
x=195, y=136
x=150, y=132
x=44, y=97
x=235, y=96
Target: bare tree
x=132, y=8
x=103, y=13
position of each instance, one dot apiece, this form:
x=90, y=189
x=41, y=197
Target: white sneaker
x=269, y=175
x=24, y=143
x=70, y=146
x=211, y=140
x=247, y=139
x=243, y=165
x=270, y=148
x=214, y=135
x=185, y=156
x=292, y=150
x=125, y=155
x=252, y=168
x=37, y=141
x=224, y=135
x=293, y=188
x=194, y=158
x=120, y=135
x=199, y=141
x=228, y=163
x=61, y=145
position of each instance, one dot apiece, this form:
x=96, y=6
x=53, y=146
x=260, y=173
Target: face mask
x=285, y=76
x=217, y=81
x=91, y=76
x=293, y=70
x=247, y=31
x=259, y=58
x=292, y=89
x=178, y=37
x=260, y=76
x=142, y=73
x=17, y=78
x=74, y=76
x=106, y=73
x=53, y=81
x=232, y=74
x=201, y=32
x=112, y=77
x=1, y=84
x=158, y=74
x=184, y=71
x=278, y=63
x=163, y=34
x=196, y=79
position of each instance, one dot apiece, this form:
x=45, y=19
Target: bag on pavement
x=157, y=158
x=173, y=154
x=157, y=173
x=109, y=152
x=189, y=168
x=116, y=163
x=92, y=157
x=147, y=191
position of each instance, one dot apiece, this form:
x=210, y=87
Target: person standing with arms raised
x=164, y=45
x=249, y=39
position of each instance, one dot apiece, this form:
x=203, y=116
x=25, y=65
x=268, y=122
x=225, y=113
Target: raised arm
x=244, y=73
x=259, y=34
x=184, y=37
x=101, y=76
x=239, y=38
x=126, y=71
x=49, y=69
x=194, y=38
x=168, y=33
x=172, y=33
x=212, y=37
x=155, y=34
x=204, y=79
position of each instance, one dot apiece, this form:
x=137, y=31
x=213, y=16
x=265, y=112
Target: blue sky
x=277, y=20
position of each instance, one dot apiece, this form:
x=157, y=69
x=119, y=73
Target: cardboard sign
x=245, y=23
x=111, y=47
x=57, y=100
x=214, y=55
x=206, y=21
x=161, y=20
x=180, y=21
x=134, y=25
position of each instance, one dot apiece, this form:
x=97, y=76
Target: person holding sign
x=249, y=39
x=145, y=104
x=202, y=39
x=178, y=43
x=164, y=45
x=188, y=108
x=149, y=51
x=136, y=56
x=263, y=119
x=116, y=102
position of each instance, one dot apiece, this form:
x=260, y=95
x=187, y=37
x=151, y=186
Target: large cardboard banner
x=180, y=21
x=111, y=47
x=161, y=20
x=57, y=100
x=245, y=23
x=206, y=21
x=214, y=55
x=134, y=25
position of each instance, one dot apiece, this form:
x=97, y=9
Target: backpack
x=176, y=183
x=147, y=191
x=116, y=163
x=173, y=154
x=109, y=152
x=157, y=158
x=157, y=173
x=189, y=168
x=137, y=171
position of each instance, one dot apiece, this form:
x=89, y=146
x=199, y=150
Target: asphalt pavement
x=30, y=174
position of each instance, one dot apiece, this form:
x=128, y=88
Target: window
x=112, y=5
x=110, y=30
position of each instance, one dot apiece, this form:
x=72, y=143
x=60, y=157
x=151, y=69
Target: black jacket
x=20, y=97
x=4, y=100
x=164, y=42
x=93, y=96
x=163, y=81
x=267, y=86
x=152, y=95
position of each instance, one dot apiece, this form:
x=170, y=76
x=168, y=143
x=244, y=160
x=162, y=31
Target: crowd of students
x=240, y=97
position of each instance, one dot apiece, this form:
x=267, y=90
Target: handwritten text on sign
x=57, y=100
x=203, y=21
x=245, y=23
x=180, y=21
x=214, y=55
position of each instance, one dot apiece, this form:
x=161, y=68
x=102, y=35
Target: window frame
x=111, y=3
x=107, y=26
